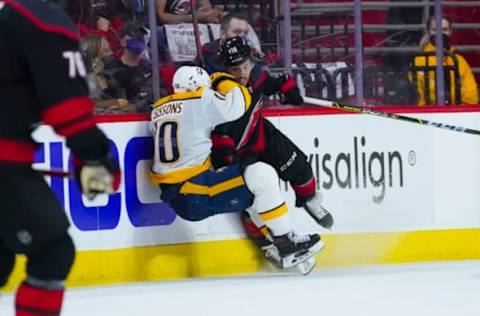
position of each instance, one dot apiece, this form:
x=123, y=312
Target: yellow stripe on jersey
x=181, y=175
x=227, y=185
x=223, y=82
x=193, y=188
x=274, y=213
x=180, y=96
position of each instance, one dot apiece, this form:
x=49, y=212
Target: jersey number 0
x=168, y=136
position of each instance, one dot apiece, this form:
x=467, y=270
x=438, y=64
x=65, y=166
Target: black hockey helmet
x=234, y=51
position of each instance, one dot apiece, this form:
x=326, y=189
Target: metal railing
x=384, y=85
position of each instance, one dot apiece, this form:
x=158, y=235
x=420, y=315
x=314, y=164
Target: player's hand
x=207, y=14
x=96, y=177
x=103, y=24
x=223, y=150
x=293, y=98
x=289, y=89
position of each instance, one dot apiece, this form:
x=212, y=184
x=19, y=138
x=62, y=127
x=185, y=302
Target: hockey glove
x=289, y=88
x=96, y=177
x=223, y=150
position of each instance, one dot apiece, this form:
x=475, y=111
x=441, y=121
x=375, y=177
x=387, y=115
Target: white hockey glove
x=96, y=177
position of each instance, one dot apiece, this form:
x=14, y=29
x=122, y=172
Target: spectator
x=129, y=10
x=132, y=72
x=179, y=11
x=231, y=25
x=468, y=85
x=103, y=90
x=97, y=16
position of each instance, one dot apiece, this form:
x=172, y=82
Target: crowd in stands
x=115, y=42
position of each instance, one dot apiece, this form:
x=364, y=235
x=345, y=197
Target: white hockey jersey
x=181, y=125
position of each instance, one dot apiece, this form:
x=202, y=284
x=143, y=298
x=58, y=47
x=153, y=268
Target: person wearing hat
x=132, y=72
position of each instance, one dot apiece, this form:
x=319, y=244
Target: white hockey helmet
x=190, y=78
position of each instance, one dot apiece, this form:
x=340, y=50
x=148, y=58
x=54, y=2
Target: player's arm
x=221, y=108
x=229, y=97
x=56, y=66
x=223, y=145
x=48, y=40
x=224, y=83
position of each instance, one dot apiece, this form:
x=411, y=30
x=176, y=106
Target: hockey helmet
x=190, y=78
x=234, y=51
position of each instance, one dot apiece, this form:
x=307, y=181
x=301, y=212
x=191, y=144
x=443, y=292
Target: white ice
x=430, y=289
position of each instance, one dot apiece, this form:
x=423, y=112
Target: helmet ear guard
x=190, y=78
x=234, y=51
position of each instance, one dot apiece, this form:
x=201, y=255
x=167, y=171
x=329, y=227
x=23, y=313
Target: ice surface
x=430, y=289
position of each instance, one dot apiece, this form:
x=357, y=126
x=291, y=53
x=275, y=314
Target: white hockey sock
x=262, y=181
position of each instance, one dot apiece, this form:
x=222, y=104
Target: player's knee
x=7, y=261
x=296, y=171
x=260, y=177
x=193, y=215
x=190, y=207
x=54, y=261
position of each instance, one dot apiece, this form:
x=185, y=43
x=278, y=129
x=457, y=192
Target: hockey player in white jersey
x=181, y=125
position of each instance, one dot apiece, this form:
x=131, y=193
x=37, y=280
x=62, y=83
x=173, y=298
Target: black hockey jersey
x=247, y=132
x=42, y=80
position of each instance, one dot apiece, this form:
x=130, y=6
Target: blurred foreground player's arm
x=51, y=84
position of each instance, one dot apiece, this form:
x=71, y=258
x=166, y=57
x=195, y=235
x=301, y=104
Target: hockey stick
x=196, y=32
x=55, y=173
x=394, y=116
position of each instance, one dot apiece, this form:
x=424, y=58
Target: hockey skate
x=295, y=249
x=320, y=214
x=273, y=257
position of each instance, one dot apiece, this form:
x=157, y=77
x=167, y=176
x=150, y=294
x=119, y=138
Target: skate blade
x=303, y=268
x=306, y=266
x=298, y=257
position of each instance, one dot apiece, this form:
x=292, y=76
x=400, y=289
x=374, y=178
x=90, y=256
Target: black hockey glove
x=223, y=150
x=289, y=89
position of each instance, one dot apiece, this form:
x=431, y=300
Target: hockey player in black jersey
x=42, y=80
x=253, y=138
